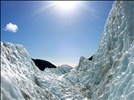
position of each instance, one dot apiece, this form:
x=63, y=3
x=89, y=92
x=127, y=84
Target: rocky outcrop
x=91, y=58
x=42, y=64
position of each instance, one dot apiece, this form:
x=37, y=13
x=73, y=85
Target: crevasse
x=109, y=76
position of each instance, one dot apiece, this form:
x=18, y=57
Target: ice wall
x=110, y=76
x=116, y=54
x=17, y=73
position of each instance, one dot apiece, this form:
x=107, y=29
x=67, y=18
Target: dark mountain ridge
x=42, y=64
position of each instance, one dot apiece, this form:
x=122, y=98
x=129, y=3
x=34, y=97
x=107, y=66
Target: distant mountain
x=42, y=64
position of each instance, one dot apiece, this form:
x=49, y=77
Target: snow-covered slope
x=109, y=76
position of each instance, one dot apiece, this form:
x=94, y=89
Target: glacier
x=108, y=76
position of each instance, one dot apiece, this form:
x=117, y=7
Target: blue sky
x=50, y=33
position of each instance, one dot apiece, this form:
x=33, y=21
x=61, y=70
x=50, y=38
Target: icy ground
x=109, y=76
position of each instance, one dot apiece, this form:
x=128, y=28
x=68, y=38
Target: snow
x=109, y=76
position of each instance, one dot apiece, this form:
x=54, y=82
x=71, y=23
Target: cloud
x=11, y=27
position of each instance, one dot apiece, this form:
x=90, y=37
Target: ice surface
x=109, y=76
x=21, y=79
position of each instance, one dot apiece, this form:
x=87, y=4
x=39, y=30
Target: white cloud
x=11, y=27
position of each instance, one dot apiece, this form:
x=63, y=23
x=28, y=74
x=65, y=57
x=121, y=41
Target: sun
x=66, y=6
